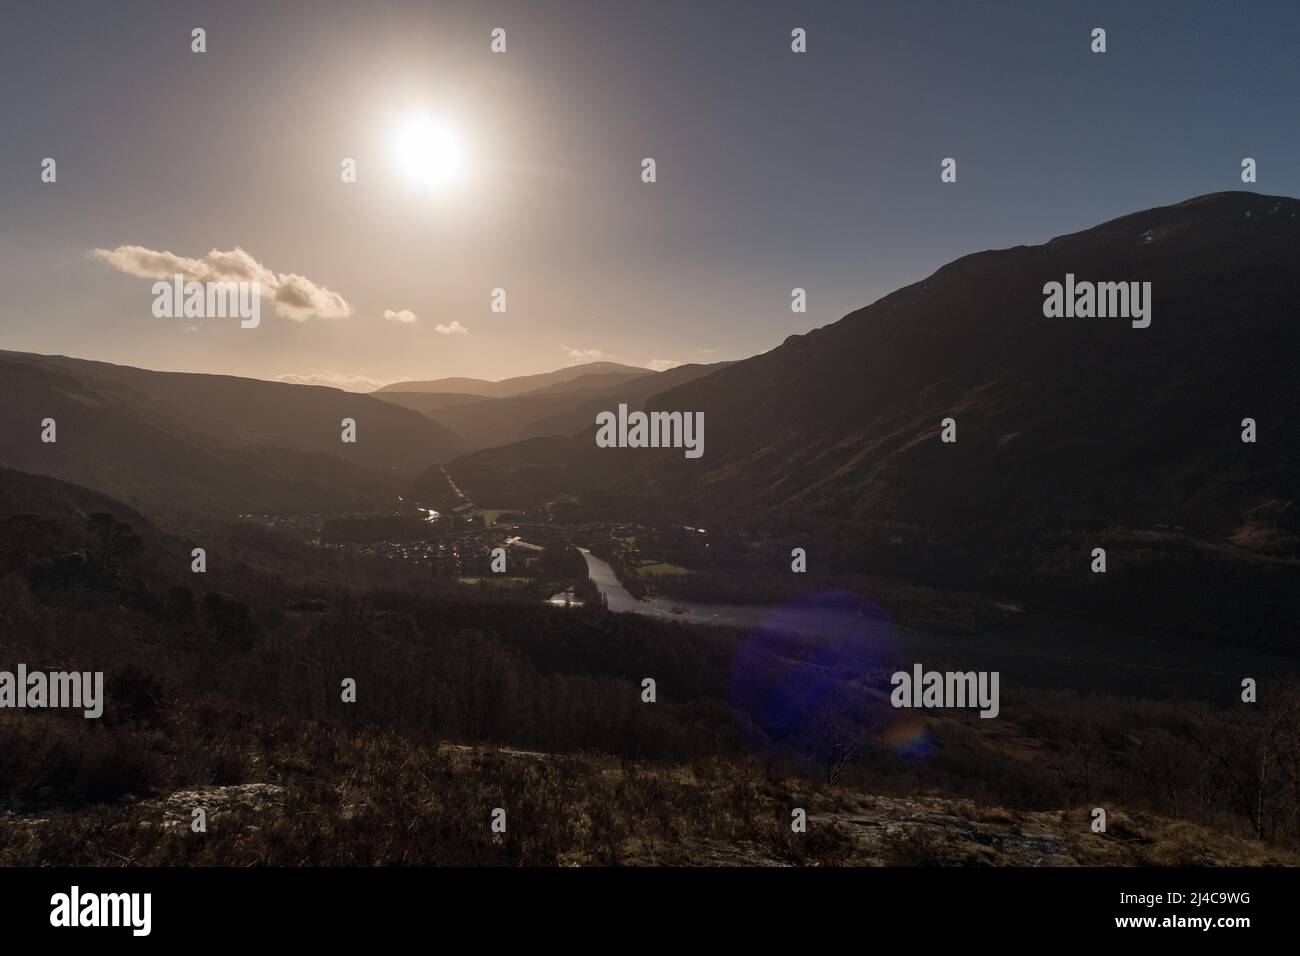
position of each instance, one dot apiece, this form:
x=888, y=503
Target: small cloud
x=347, y=381
x=454, y=329
x=294, y=296
x=405, y=316
x=707, y=351
x=583, y=356
x=662, y=365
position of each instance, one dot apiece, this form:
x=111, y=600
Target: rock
x=178, y=808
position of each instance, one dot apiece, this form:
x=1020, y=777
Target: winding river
x=1050, y=652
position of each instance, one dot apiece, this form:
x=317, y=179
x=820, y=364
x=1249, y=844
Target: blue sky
x=775, y=169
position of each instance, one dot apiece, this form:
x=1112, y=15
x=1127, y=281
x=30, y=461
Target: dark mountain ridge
x=1084, y=419
x=518, y=384
x=1071, y=432
x=561, y=408
x=209, y=442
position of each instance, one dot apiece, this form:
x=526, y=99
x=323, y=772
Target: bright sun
x=430, y=152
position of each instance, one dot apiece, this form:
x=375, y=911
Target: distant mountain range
x=560, y=407
x=163, y=441
x=521, y=383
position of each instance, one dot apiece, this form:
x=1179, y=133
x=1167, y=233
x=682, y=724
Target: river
x=1044, y=652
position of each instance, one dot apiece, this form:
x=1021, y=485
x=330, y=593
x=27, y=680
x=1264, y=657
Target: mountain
x=1068, y=429
x=68, y=505
x=1087, y=420
x=212, y=443
x=560, y=408
x=528, y=473
x=477, y=387
x=486, y=422
x=519, y=384
x=590, y=382
x=633, y=393
x=428, y=403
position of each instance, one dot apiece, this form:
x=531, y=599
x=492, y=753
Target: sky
x=774, y=169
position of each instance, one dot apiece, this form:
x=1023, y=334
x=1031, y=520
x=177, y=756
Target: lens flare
x=811, y=665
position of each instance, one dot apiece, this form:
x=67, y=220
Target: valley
x=368, y=565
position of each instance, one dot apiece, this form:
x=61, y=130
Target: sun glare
x=430, y=152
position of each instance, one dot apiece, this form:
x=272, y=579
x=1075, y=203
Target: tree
x=115, y=541
x=1254, y=750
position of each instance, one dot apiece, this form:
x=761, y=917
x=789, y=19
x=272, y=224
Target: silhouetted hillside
x=527, y=473
x=1086, y=422
x=209, y=442
x=520, y=383
x=220, y=689
x=487, y=422
x=429, y=403
x=561, y=408
x=634, y=393
x=1071, y=432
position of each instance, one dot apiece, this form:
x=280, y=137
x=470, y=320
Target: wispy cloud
x=405, y=316
x=454, y=329
x=347, y=381
x=662, y=365
x=582, y=356
x=294, y=296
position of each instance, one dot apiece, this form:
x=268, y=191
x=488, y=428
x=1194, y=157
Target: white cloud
x=582, y=356
x=294, y=296
x=454, y=329
x=344, y=380
x=405, y=316
x=662, y=365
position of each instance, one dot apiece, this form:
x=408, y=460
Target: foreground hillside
x=232, y=679
x=338, y=798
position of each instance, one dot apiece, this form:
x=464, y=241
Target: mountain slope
x=591, y=381
x=519, y=384
x=209, y=442
x=558, y=409
x=1090, y=420
x=633, y=393
x=428, y=403
x=478, y=387
x=1071, y=432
